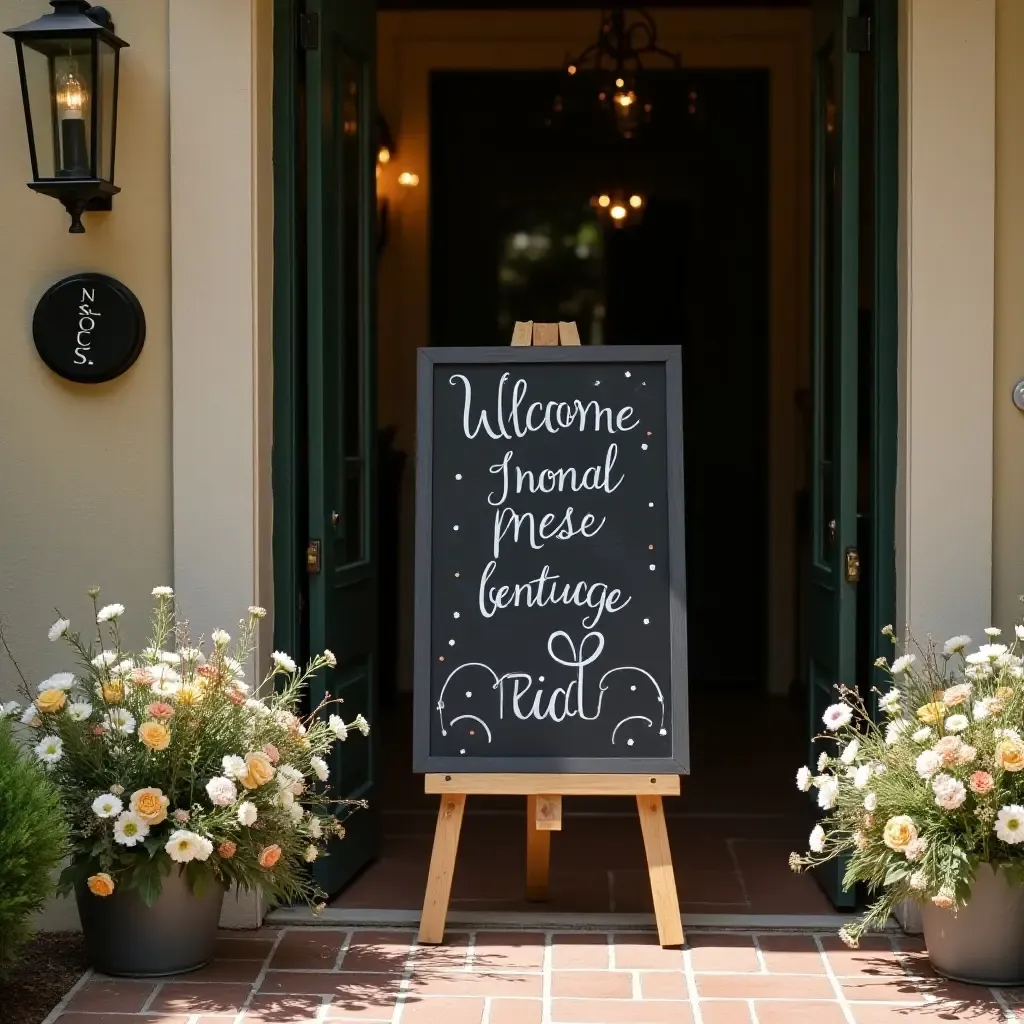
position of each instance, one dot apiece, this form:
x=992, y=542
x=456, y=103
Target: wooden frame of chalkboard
x=678, y=759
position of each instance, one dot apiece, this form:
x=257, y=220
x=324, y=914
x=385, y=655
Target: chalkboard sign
x=550, y=627
x=89, y=328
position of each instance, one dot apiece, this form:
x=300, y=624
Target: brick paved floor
x=296, y=976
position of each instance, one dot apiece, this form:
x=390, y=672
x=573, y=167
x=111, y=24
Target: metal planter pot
x=127, y=939
x=983, y=943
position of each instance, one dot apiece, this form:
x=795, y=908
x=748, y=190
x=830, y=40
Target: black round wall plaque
x=89, y=328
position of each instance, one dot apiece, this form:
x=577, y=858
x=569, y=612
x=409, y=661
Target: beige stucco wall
x=1008, y=509
x=85, y=471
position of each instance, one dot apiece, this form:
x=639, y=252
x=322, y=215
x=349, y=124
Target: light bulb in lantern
x=624, y=99
x=620, y=82
x=571, y=69
x=636, y=201
x=383, y=155
x=408, y=180
x=603, y=201
x=618, y=212
x=70, y=97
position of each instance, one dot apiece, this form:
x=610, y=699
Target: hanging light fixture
x=612, y=66
x=619, y=207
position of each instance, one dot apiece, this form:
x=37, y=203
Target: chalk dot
x=643, y=447
x=629, y=743
x=596, y=382
x=647, y=622
x=455, y=615
x=458, y=574
x=458, y=476
x=91, y=363
x=662, y=732
x=462, y=751
x=650, y=504
x=633, y=687
x=441, y=658
x=451, y=643
x=469, y=693
x=651, y=567
x=628, y=374
x=540, y=679
x=650, y=547
x=649, y=434
x=645, y=383
x=455, y=527
x=472, y=732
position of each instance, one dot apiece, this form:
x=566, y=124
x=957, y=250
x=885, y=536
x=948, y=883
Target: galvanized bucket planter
x=127, y=939
x=983, y=942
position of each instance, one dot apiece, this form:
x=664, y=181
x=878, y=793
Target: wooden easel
x=544, y=794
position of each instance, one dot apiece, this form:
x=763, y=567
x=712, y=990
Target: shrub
x=32, y=842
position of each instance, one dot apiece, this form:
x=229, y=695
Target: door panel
x=340, y=269
x=832, y=633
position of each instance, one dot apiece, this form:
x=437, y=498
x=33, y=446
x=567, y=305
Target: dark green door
x=833, y=599
x=341, y=388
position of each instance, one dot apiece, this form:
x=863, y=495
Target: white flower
x=982, y=708
x=957, y=723
x=329, y=657
x=283, y=662
x=311, y=853
x=890, y=702
x=1019, y=630
x=106, y=805
x=992, y=631
x=923, y=735
x=191, y=655
x=919, y=880
x=848, y=938
x=862, y=777
x=817, y=839
x=30, y=716
x=121, y=720
x=316, y=830
x=247, y=813
x=110, y=612
x=285, y=798
x=319, y=766
x=803, y=779
x=183, y=846
x=220, y=638
x=58, y=681
x=257, y=612
x=166, y=681
x=870, y=802
x=362, y=725
x=927, y=764
x=1009, y=825
x=123, y=668
x=828, y=792
x=162, y=592
x=338, y=727
x=949, y=792
x=234, y=668
x=849, y=755
x=295, y=812
x=50, y=749
x=290, y=778
x=58, y=629
x=10, y=709
x=79, y=711
x=896, y=730
x=822, y=761
x=168, y=657
x=1007, y=734
x=130, y=829
x=991, y=652
x=835, y=717
x=955, y=644
x=104, y=659
x=902, y=663
x=234, y=766
x=221, y=791
x=915, y=849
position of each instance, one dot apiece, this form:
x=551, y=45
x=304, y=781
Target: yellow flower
x=1010, y=755
x=155, y=735
x=931, y=714
x=51, y=701
x=101, y=884
x=899, y=833
x=150, y=805
x=113, y=692
x=258, y=771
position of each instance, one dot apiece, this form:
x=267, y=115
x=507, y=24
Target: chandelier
x=614, y=63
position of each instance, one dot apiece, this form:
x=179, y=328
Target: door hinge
x=852, y=565
x=858, y=34
x=309, y=30
x=313, y=556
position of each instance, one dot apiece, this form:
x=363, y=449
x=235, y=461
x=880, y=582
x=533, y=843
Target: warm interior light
x=624, y=99
x=618, y=211
x=383, y=155
x=603, y=201
x=620, y=82
x=408, y=179
x=571, y=69
x=70, y=93
x=636, y=202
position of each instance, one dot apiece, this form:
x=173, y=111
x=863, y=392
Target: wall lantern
x=68, y=62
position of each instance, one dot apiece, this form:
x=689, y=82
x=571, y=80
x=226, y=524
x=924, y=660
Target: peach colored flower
x=899, y=833
x=98, y=730
x=235, y=695
x=101, y=884
x=957, y=695
x=269, y=856
x=142, y=677
x=51, y=701
x=272, y=752
x=258, y=770
x=155, y=735
x=948, y=749
x=999, y=700
x=160, y=709
x=982, y=783
x=227, y=849
x=209, y=672
x=1010, y=755
x=181, y=816
x=150, y=805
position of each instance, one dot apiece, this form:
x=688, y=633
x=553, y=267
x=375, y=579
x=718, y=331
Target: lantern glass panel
x=106, y=109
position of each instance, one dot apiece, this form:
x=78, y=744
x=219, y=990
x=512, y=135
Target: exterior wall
x=1008, y=421
x=86, y=470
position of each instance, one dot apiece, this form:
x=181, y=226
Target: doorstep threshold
x=559, y=921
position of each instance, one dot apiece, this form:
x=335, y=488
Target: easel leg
x=442, y=867
x=538, y=854
x=659, y=865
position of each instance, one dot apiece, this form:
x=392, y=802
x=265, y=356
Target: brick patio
x=295, y=975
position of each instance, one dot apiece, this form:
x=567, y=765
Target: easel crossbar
x=561, y=785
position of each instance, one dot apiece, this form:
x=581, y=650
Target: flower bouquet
x=179, y=780
x=927, y=804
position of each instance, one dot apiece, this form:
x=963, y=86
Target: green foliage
x=32, y=842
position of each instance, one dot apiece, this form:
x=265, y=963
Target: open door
x=340, y=159
x=832, y=608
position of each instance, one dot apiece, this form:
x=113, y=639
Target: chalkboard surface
x=550, y=583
